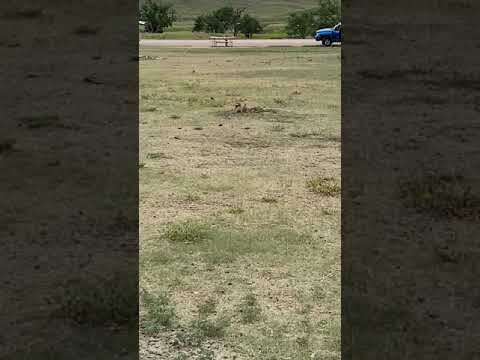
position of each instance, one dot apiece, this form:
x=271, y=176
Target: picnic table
x=226, y=41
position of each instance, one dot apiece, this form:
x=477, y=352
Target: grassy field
x=271, y=13
x=183, y=31
x=239, y=204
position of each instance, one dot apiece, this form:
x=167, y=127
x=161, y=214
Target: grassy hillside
x=272, y=14
x=270, y=11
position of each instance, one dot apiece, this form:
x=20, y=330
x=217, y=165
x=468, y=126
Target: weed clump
x=206, y=354
x=160, y=313
x=207, y=308
x=324, y=186
x=150, y=109
x=249, y=309
x=155, y=156
x=186, y=232
x=269, y=200
x=192, y=197
x=202, y=329
x=304, y=135
x=235, y=210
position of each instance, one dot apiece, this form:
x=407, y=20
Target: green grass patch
x=215, y=242
x=324, y=186
x=186, y=232
x=202, y=329
x=249, y=309
x=192, y=197
x=226, y=246
x=207, y=308
x=160, y=313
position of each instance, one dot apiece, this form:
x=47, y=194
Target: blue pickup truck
x=330, y=35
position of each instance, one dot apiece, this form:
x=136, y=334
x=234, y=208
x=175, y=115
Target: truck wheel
x=327, y=42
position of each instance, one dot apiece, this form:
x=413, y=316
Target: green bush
x=157, y=16
x=160, y=313
x=249, y=26
x=304, y=23
x=227, y=19
x=186, y=232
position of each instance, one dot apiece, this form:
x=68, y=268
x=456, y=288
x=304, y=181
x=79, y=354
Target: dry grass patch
x=234, y=268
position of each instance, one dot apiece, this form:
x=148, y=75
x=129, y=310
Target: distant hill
x=269, y=11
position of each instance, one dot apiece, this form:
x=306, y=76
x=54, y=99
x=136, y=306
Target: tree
x=157, y=16
x=220, y=21
x=327, y=14
x=305, y=23
x=225, y=16
x=208, y=23
x=200, y=23
x=215, y=25
x=236, y=20
x=301, y=24
x=249, y=26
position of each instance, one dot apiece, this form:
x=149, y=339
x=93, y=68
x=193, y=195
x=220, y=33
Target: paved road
x=236, y=43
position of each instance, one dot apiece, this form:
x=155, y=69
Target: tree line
x=158, y=16
x=227, y=19
x=304, y=23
